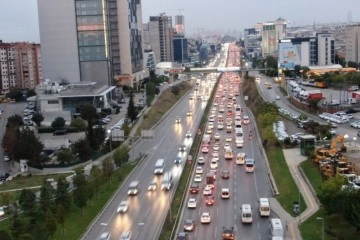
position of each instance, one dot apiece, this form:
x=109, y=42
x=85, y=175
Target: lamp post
x=346, y=137
x=322, y=227
x=355, y=141
x=110, y=138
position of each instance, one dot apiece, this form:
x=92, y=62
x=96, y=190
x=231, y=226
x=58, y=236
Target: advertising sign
x=288, y=55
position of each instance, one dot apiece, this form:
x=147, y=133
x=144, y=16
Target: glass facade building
x=180, y=50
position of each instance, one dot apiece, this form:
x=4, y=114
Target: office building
x=272, y=32
x=180, y=25
x=352, y=43
x=180, y=44
x=160, y=37
x=20, y=66
x=252, y=42
x=91, y=41
x=325, y=49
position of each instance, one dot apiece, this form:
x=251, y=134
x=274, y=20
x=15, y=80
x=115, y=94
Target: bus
x=249, y=165
x=264, y=207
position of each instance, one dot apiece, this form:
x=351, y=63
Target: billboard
x=288, y=55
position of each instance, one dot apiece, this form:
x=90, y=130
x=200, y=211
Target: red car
x=210, y=200
x=194, y=188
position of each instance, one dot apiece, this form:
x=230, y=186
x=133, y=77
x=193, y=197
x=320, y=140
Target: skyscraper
x=272, y=32
x=352, y=43
x=180, y=25
x=91, y=41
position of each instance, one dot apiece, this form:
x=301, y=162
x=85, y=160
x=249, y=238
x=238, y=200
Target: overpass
x=225, y=69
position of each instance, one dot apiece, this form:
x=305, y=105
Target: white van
x=276, y=227
x=133, y=188
x=264, y=207
x=246, y=213
x=249, y=165
x=167, y=181
x=159, y=167
x=240, y=158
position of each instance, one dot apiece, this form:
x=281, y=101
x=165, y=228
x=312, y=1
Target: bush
x=79, y=124
x=58, y=123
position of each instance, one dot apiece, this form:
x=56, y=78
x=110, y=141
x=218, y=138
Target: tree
x=14, y=121
x=96, y=179
x=150, y=91
x=62, y=196
x=50, y=223
x=78, y=123
x=80, y=184
x=27, y=200
x=65, y=155
x=58, y=123
x=175, y=90
x=31, y=147
x=131, y=111
x=15, y=94
x=352, y=64
x=5, y=235
x=83, y=149
x=121, y=156
x=37, y=118
x=9, y=140
x=330, y=194
x=98, y=139
x=46, y=196
x=88, y=113
x=31, y=93
x=107, y=168
x=60, y=216
x=297, y=69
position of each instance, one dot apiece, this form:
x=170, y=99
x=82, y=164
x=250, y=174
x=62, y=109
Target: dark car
x=60, y=132
x=182, y=236
x=182, y=148
x=225, y=174
x=194, y=188
x=177, y=160
x=228, y=233
x=189, y=225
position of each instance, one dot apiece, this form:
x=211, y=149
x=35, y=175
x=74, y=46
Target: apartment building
x=352, y=43
x=91, y=41
x=20, y=66
x=272, y=32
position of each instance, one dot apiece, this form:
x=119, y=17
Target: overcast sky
x=19, y=21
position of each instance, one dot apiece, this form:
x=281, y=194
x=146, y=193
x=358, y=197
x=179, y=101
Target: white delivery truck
x=276, y=227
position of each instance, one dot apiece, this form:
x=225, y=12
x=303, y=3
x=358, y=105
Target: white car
x=125, y=236
x=207, y=191
x=105, y=236
x=205, y=149
x=199, y=170
x=217, y=136
x=226, y=146
x=201, y=160
x=277, y=97
x=191, y=203
x=215, y=154
x=123, y=207
x=220, y=126
x=197, y=178
x=228, y=139
x=216, y=147
x=213, y=163
x=225, y=193
x=188, y=134
x=205, y=217
x=355, y=124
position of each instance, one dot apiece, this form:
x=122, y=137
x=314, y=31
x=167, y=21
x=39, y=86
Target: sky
x=19, y=20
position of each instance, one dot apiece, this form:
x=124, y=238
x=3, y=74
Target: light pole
x=355, y=141
x=110, y=138
x=322, y=227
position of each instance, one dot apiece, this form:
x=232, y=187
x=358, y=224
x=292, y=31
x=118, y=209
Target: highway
x=147, y=210
x=244, y=187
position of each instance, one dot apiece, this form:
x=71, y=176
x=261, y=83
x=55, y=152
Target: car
x=201, y=161
x=191, y=203
x=225, y=193
x=6, y=158
x=210, y=200
x=228, y=139
x=189, y=225
x=205, y=217
x=177, y=160
x=225, y=174
x=333, y=125
x=123, y=207
x=214, y=163
x=204, y=149
x=228, y=233
x=226, y=146
x=125, y=236
x=209, y=130
x=152, y=186
x=189, y=113
x=182, y=236
x=182, y=148
x=217, y=136
x=188, y=134
x=194, y=188
x=199, y=170
x=197, y=178
x=355, y=124
x=2, y=211
x=177, y=120
x=207, y=191
x=215, y=154
x=277, y=97
x=246, y=119
x=105, y=236
x=220, y=126
x=216, y=146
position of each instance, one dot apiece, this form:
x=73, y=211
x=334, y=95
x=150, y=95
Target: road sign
x=147, y=134
x=117, y=135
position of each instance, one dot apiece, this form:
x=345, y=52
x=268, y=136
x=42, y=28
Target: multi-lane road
x=147, y=210
x=244, y=187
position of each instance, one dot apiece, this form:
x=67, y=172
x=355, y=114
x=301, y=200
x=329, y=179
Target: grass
x=312, y=172
x=20, y=182
x=286, y=185
x=165, y=101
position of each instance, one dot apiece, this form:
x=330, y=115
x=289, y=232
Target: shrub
x=78, y=123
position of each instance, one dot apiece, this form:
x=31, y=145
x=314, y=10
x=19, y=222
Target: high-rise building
x=91, y=41
x=20, y=66
x=325, y=49
x=352, y=43
x=180, y=49
x=272, y=32
x=180, y=25
x=160, y=33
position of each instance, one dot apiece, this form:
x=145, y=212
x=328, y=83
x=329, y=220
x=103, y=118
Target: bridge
x=225, y=69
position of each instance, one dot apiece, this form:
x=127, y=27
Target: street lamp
x=346, y=137
x=110, y=138
x=322, y=224
x=355, y=141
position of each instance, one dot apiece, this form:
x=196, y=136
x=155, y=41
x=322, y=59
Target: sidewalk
x=293, y=160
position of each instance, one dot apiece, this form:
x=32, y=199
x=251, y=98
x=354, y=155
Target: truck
x=314, y=95
x=210, y=179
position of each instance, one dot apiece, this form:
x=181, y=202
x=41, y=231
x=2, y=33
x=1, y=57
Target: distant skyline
x=19, y=19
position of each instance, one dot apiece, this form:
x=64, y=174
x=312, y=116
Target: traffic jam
x=227, y=131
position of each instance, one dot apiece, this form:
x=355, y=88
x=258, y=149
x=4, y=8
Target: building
x=306, y=51
x=20, y=65
x=160, y=37
x=352, y=43
x=180, y=44
x=180, y=25
x=149, y=59
x=272, y=32
x=252, y=42
x=204, y=53
x=91, y=41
